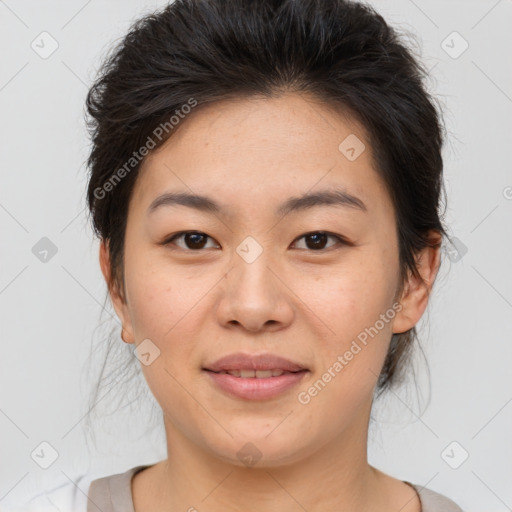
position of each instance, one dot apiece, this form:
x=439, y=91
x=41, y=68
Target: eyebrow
x=293, y=204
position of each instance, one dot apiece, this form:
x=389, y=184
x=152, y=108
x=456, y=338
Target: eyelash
x=341, y=241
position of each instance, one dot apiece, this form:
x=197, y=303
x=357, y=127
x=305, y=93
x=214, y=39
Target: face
x=314, y=283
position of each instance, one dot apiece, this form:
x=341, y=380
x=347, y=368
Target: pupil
x=319, y=239
x=195, y=240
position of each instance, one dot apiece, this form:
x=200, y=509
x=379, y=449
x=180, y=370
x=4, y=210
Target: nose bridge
x=252, y=275
x=253, y=295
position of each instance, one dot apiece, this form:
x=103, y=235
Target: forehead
x=289, y=122
x=254, y=149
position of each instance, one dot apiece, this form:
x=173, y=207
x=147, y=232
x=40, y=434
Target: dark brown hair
x=341, y=52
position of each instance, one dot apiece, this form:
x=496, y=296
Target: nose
x=255, y=296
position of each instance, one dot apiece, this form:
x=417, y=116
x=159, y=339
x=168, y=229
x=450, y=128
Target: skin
x=306, y=304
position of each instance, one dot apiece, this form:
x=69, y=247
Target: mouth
x=253, y=385
x=254, y=365
x=255, y=374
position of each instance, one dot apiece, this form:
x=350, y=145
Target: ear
x=414, y=299
x=118, y=302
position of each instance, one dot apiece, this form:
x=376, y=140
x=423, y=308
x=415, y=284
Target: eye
x=194, y=240
x=197, y=240
x=316, y=240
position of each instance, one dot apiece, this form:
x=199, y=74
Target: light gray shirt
x=113, y=494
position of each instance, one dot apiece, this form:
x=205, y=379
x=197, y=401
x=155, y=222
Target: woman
x=265, y=182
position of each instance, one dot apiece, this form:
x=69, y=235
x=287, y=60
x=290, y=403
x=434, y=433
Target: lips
x=255, y=374
x=254, y=366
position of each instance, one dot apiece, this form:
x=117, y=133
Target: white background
x=52, y=313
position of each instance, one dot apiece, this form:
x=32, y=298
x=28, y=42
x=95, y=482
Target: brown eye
x=317, y=240
x=193, y=240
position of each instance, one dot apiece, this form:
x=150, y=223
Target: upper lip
x=241, y=361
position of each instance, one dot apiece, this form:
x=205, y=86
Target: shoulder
x=75, y=496
x=64, y=497
x=432, y=501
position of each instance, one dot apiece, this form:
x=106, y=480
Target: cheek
x=357, y=308
x=156, y=297
x=351, y=298
x=162, y=309
x=168, y=305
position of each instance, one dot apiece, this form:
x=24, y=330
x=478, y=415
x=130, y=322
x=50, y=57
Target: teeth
x=251, y=374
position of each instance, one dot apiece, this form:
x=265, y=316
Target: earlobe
x=414, y=299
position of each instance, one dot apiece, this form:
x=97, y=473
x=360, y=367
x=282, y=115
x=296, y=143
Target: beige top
x=113, y=494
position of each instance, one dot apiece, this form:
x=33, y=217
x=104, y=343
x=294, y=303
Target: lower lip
x=253, y=388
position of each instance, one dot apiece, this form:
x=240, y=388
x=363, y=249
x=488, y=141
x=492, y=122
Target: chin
x=256, y=450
